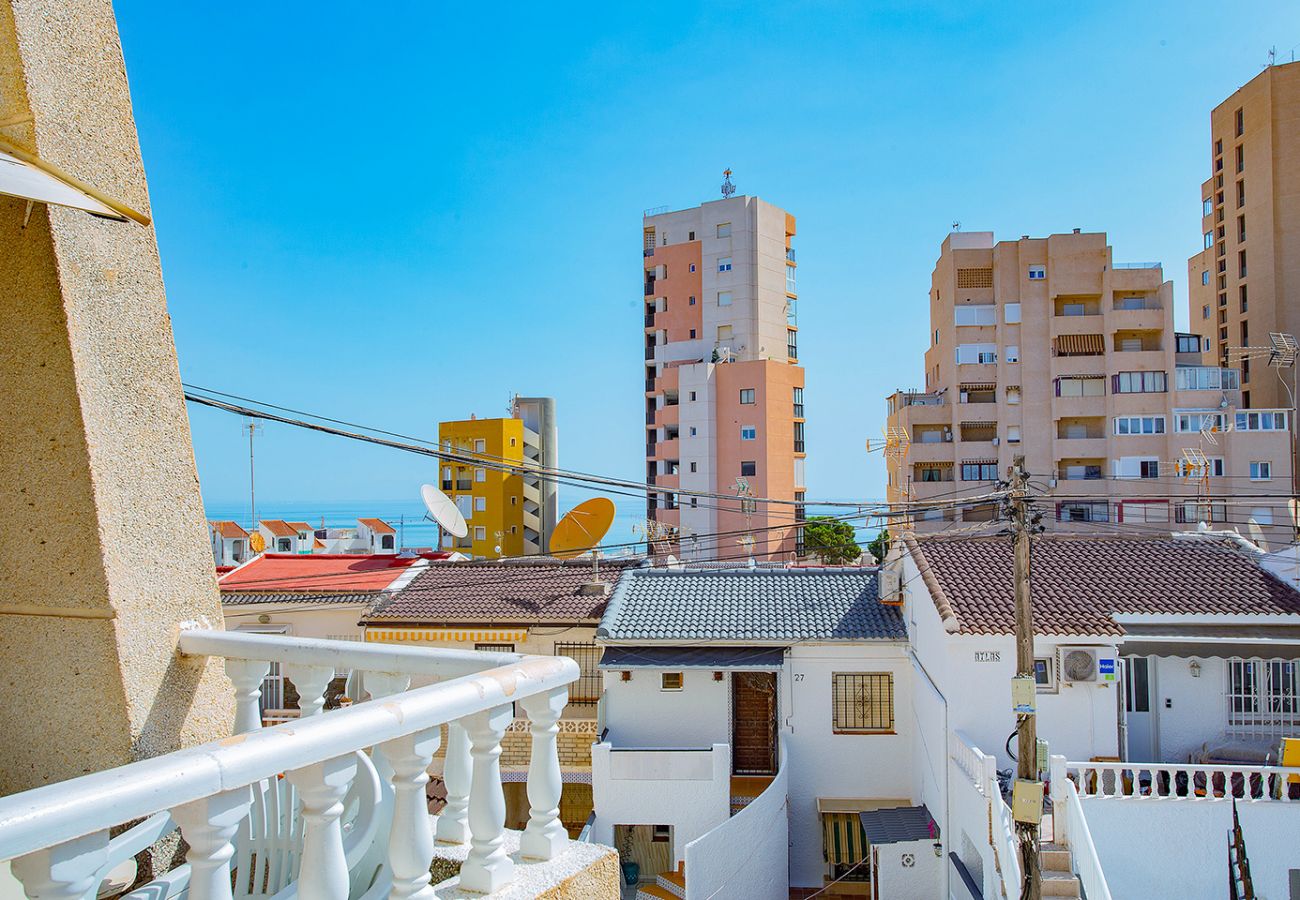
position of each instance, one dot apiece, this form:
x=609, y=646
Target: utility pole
x=1026, y=727
x=253, y=427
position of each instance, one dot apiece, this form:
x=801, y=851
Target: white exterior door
x=1139, y=688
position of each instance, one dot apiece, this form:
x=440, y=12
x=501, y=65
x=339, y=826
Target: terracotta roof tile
x=300, y=526
x=242, y=598
x=279, y=528
x=378, y=525
x=1080, y=583
x=229, y=529
x=545, y=590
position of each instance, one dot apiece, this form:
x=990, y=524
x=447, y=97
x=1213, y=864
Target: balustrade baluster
x=457, y=770
x=410, y=842
x=323, y=869
x=208, y=826
x=311, y=682
x=487, y=868
x=545, y=837
x=247, y=676
x=66, y=871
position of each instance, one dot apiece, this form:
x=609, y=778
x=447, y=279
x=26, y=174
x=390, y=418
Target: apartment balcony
x=1083, y=468
x=977, y=450
x=1074, y=407
x=1087, y=323
x=331, y=804
x=1139, y=360
x=667, y=449
x=1150, y=316
x=669, y=414
x=931, y=451
x=1080, y=447
x=668, y=481
x=1078, y=365
x=911, y=416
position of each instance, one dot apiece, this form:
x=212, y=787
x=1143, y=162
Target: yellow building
x=509, y=514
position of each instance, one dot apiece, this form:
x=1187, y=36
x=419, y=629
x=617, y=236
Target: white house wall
x=639, y=714
x=306, y=620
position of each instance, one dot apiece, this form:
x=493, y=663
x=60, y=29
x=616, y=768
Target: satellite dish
x=1257, y=534
x=582, y=528
x=256, y=542
x=443, y=511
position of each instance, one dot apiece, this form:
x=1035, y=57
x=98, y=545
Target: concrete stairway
x=1058, y=878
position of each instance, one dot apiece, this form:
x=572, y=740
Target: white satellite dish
x=443, y=511
x=1256, y=534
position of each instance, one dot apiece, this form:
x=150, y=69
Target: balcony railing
x=1136, y=265
x=223, y=795
x=649, y=288
x=1184, y=781
x=649, y=320
x=789, y=254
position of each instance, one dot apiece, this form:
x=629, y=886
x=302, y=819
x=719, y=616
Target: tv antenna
x=748, y=505
x=956, y=226
x=252, y=427
x=727, y=187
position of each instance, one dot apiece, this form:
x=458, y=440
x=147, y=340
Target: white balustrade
x=1071, y=829
x=1185, y=781
x=457, y=770
x=487, y=868
x=57, y=836
x=208, y=826
x=545, y=835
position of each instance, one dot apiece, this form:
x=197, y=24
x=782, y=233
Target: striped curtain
x=844, y=842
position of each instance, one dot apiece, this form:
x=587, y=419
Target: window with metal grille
x=863, y=702
x=975, y=278
x=586, y=690
x=1263, y=700
x=495, y=648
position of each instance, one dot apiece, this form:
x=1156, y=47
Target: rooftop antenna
x=727, y=187
x=956, y=226
x=252, y=426
x=748, y=505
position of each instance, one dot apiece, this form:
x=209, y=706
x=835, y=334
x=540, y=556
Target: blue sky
x=401, y=213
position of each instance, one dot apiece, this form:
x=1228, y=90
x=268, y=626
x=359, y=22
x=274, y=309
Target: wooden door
x=753, y=723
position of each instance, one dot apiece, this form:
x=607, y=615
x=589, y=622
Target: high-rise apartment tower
x=724, y=409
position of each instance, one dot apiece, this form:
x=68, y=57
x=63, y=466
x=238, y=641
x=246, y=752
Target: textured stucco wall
x=96, y=462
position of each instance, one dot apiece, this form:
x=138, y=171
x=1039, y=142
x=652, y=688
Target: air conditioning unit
x=1088, y=665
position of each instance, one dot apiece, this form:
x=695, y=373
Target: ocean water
x=414, y=529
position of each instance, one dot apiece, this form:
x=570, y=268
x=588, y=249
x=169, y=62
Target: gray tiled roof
x=245, y=598
x=753, y=605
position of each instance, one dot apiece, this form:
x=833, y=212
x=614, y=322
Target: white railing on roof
x=969, y=759
x=1005, y=845
x=1071, y=828
x=982, y=772
x=1185, y=781
x=341, y=823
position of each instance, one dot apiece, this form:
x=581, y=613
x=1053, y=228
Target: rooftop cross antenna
x=727, y=187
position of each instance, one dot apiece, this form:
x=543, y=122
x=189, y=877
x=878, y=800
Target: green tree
x=880, y=546
x=831, y=540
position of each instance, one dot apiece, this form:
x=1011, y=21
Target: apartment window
x=514, y=501
x=1241, y=194
x=724, y=334
x=748, y=468
x=1137, y=467
x=1205, y=277
x=1205, y=311
x=724, y=229
x=1241, y=229
x=1207, y=206
x=1140, y=425
x=1045, y=668
x=1080, y=386
x=670, y=681
x=480, y=504
x=748, y=433
x=1191, y=511
x=1037, y=273
x=724, y=298
x=746, y=396
x=1011, y=313
x=480, y=474
x=1187, y=343
x=1241, y=293
x=979, y=471
x=1261, y=470
x=692, y=334
x=1241, y=122
x=694, y=469
x=480, y=446
x=1012, y=354
x=798, y=403
x=283, y=545
x=1139, y=383
x=724, y=263
x=1218, y=147
x=1088, y=511
x=690, y=235
x=976, y=354
x=981, y=314
x=480, y=533
x=692, y=267
x=863, y=702
x=692, y=431
x=1013, y=395
x=692, y=302
x=791, y=343
x=798, y=437
x=1199, y=421
x=1209, y=239
x=789, y=280
x=1013, y=434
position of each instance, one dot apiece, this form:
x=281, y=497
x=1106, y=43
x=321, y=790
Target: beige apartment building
x=723, y=385
x=1048, y=348
x=1245, y=281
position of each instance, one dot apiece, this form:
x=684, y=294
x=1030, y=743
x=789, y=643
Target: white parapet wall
x=747, y=855
x=688, y=789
